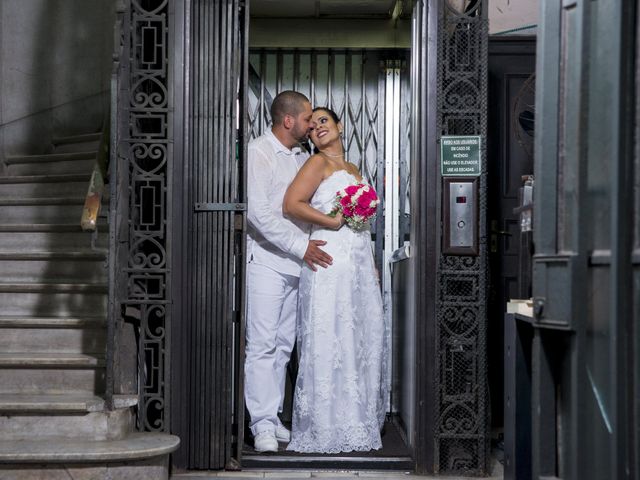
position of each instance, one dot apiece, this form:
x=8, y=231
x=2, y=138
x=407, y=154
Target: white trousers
x=272, y=299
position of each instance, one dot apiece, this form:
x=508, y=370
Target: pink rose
x=351, y=189
x=363, y=212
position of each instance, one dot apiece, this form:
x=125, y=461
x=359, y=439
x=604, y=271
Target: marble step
x=41, y=210
x=64, y=418
x=52, y=322
x=50, y=360
x=53, y=373
x=76, y=143
x=44, y=185
x=53, y=300
x=81, y=138
x=53, y=380
x=12, y=403
x=51, y=163
x=134, y=446
x=86, y=266
x=51, y=237
x=42, y=340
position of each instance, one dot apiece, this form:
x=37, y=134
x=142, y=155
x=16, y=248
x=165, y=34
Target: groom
x=276, y=248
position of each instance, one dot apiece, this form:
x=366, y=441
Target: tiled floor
x=321, y=475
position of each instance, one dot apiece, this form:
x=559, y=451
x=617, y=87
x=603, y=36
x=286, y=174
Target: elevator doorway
x=368, y=85
x=369, y=89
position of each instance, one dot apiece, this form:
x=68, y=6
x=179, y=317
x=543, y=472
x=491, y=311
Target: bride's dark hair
x=332, y=114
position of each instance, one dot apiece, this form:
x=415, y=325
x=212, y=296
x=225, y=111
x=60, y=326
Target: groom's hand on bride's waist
x=316, y=256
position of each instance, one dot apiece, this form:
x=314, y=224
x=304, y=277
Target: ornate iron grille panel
x=462, y=402
x=144, y=153
x=352, y=83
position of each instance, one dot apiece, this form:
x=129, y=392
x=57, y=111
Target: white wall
x=55, y=61
x=512, y=14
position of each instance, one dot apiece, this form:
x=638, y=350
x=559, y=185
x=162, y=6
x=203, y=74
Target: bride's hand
x=339, y=219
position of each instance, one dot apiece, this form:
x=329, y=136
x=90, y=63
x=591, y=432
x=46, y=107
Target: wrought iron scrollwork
x=144, y=160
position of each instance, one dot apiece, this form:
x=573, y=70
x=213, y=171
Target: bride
x=340, y=393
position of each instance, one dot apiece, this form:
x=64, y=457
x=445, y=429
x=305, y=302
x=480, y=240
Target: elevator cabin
x=372, y=62
x=354, y=58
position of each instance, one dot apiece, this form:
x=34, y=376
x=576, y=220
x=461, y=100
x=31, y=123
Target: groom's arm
x=260, y=215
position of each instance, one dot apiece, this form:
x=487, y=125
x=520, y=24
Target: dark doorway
x=510, y=157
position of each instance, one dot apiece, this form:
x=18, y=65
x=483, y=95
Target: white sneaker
x=282, y=434
x=265, y=442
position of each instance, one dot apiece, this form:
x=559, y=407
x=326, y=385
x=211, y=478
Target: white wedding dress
x=340, y=395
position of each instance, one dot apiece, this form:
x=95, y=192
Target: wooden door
x=510, y=147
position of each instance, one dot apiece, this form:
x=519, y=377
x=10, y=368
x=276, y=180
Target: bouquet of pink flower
x=358, y=204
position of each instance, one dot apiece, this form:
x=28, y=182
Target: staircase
x=53, y=305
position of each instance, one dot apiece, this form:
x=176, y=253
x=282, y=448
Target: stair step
x=87, y=267
x=76, y=147
x=135, y=446
x=88, y=255
x=63, y=210
x=52, y=379
x=50, y=157
x=18, y=202
x=11, y=403
x=51, y=301
x=75, y=177
x=82, y=417
x=86, y=341
x=82, y=138
x=52, y=167
x=53, y=288
x=12, y=239
x=47, y=271
x=41, y=227
x=50, y=360
x=39, y=211
x=45, y=185
x=52, y=322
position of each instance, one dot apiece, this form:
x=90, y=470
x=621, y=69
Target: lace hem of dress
x=346, y=439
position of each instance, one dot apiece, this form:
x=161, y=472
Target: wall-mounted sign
x=460, y=155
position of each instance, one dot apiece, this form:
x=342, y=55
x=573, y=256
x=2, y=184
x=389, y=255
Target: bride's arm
x=304, y=185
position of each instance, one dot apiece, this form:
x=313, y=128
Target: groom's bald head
x=287, y=103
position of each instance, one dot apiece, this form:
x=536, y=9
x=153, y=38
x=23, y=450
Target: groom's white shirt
x=275, y=248
x=272, y=239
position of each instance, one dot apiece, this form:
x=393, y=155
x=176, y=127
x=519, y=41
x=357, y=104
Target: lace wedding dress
x=340, y=395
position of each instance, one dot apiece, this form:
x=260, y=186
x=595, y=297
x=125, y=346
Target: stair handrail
x=95, y=191
x=110, y=134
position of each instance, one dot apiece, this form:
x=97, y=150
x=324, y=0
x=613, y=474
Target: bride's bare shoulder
x=316, y=162
x=317, y=158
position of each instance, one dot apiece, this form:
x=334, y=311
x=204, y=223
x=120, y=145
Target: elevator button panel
x=460, y=216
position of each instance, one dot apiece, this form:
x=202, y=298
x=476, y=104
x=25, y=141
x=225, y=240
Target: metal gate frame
x=209, y=208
